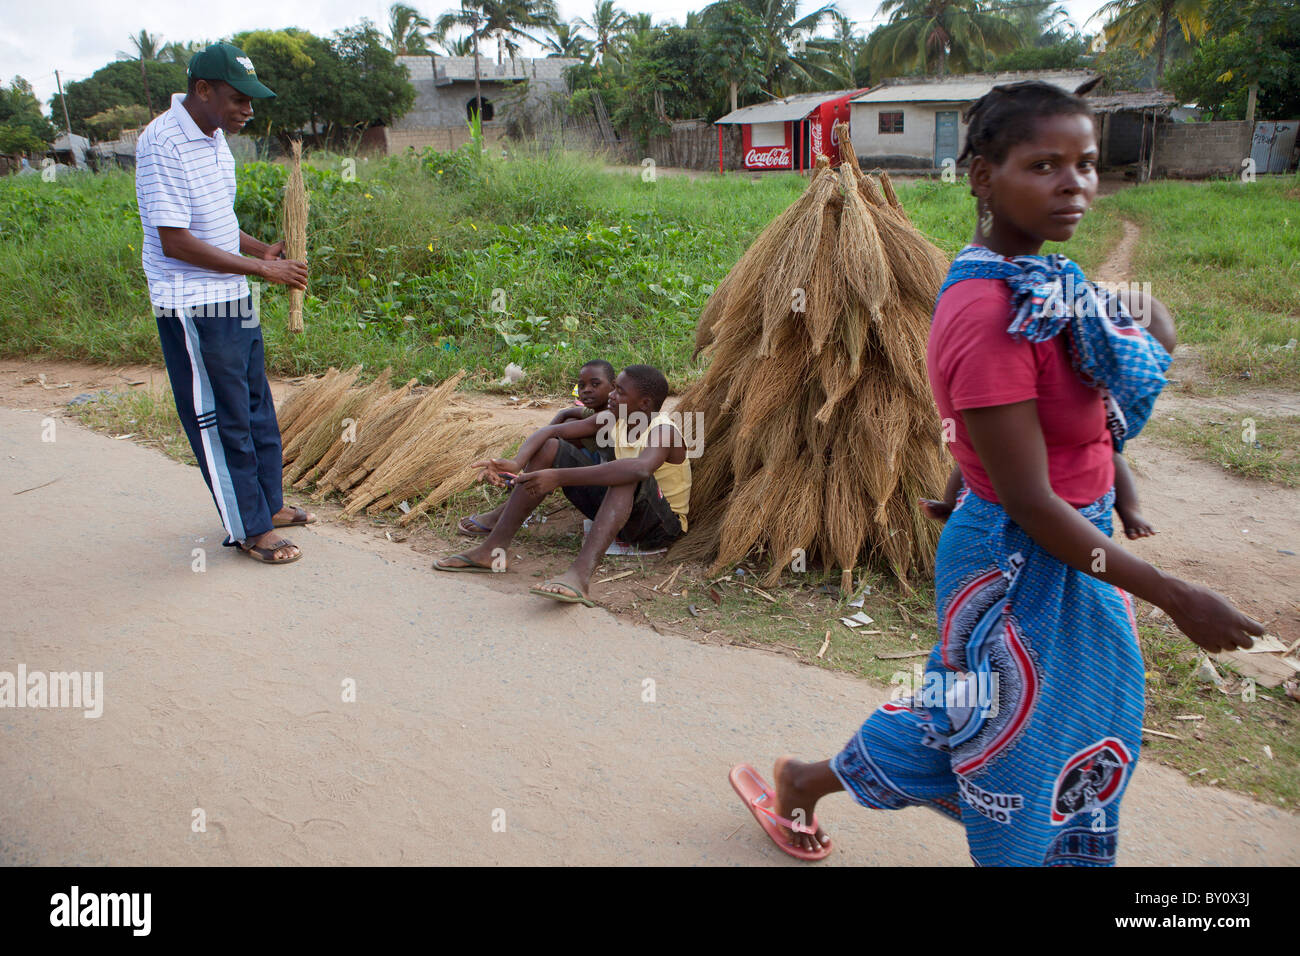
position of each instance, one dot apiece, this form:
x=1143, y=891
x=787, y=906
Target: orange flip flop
x=760, y=798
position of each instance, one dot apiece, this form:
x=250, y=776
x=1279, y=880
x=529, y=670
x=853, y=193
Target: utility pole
x=67, y=122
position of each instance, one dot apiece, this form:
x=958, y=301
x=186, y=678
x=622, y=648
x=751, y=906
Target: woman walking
x=1028, y=724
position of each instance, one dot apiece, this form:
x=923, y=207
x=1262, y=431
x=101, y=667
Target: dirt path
x=223, y=694
x=1118, y=265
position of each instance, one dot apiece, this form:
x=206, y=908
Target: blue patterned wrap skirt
x=1026, y=723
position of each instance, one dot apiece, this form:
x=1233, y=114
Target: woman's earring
x=986, y=219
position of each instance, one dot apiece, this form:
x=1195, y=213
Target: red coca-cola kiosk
x=789, y=133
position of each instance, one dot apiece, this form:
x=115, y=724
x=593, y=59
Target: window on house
x=487, y=110
x=891, y=122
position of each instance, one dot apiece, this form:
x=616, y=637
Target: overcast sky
x=77, y=37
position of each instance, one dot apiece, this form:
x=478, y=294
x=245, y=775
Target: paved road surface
x=223, y=693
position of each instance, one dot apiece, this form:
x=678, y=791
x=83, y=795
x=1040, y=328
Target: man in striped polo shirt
x=196, y=259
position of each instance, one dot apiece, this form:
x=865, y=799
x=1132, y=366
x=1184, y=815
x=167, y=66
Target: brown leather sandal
x=267, y=554
x=300, y=517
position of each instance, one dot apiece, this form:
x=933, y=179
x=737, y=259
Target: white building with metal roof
x=914, y=122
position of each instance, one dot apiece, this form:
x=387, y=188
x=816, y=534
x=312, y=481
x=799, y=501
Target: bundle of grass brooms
x=295, y=229
x=378, y=446
x=820, y=430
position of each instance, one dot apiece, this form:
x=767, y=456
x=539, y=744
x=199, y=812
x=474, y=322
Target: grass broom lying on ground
x=379, y=446
x=820, y=432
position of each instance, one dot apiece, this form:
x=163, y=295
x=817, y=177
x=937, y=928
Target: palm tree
x=180, y=53
x=507, y=20
x=457, y=46
x=1144, y=24
x=608, y=22
x=640, y=23
x=568, y=42
x=146, y=48
x=1040, y=22
x=731, y=53
x=470, y=17
x=837, y=55
x=789, y=56
x=928, y=36
x=406, y=30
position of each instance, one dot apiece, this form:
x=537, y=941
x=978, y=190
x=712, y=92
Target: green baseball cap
x=222, y=61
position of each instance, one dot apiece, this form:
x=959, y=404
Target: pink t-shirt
x=975, y=363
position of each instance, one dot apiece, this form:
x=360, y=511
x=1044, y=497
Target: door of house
x=945, y=137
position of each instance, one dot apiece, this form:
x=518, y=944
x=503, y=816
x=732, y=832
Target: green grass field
x=1225, y=257
x=435, y=264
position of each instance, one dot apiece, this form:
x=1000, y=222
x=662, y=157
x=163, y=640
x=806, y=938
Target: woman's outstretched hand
x=936, y=510
x=1208, y=619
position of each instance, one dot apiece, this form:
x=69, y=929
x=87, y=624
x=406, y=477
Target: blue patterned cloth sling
x=1109, y=350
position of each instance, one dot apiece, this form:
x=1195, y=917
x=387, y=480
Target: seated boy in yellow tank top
x=641, y=496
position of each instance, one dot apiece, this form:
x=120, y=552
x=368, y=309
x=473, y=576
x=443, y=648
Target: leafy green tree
x=1146, y=24
x=938, y=36
x=146, y=48
x=300, y=67
x=655, y=80
x=1069, y=53
x=376, y=88
x=1124, y=68
x=118, y=84
x=110, y=123
x=346, y=83
x=23, y=127
x=1253, y=41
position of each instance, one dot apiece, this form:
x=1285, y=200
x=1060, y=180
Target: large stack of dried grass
x=820, y=431
x=379, y=446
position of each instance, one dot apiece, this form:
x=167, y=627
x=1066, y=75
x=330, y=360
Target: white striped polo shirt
x=186, y=179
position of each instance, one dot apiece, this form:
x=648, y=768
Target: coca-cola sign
x=768, y=157
x=817, y=138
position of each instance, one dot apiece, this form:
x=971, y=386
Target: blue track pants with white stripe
x=217, y=368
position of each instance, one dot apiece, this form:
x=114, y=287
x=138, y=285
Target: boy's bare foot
x=568, y=580
x=795, y=803
x=477, y=525
x=1135, y=526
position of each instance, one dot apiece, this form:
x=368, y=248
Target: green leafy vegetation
x=1225, y=258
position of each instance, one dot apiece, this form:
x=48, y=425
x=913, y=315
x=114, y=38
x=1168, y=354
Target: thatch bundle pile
x=820, y=431
x=379, y=446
